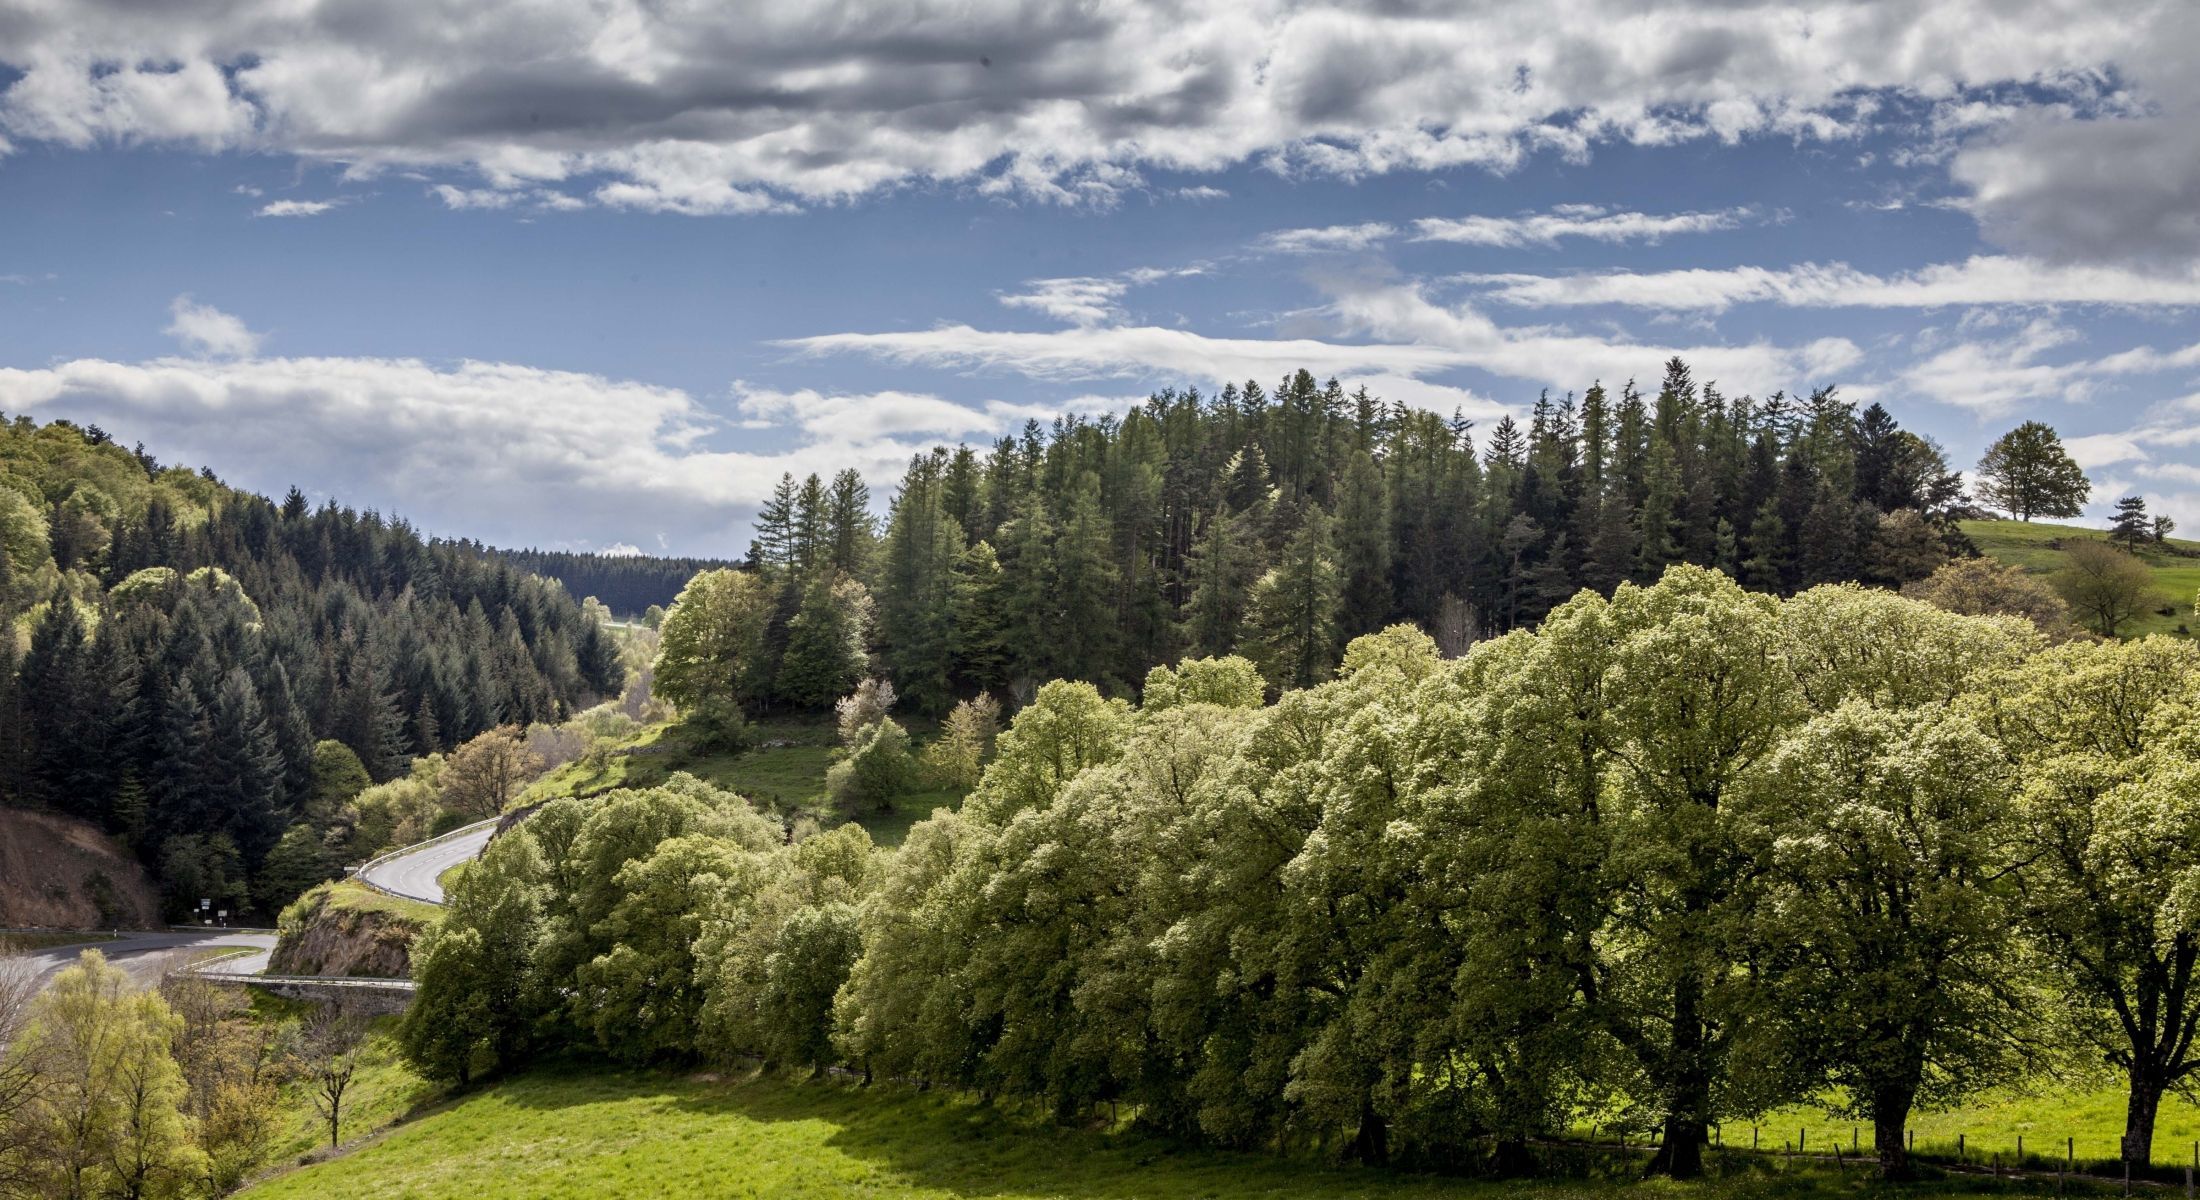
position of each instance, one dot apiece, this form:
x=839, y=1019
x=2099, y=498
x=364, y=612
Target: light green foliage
x=2107, y=588
x=712, y=639
x=1885, y=930
x=2110, y=818
x=1849, y=642
x=1232, y=682
x=876, y=769
x=338, y=778
x=958, y=756
x=809, y=960
x=1066, y=728
x=107, y=1115
x=642, y=994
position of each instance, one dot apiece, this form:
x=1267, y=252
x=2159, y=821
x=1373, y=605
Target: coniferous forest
x=181, y=647
x=1282, y=524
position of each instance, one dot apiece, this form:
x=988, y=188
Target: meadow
x=2033, y=546
x=572, y=1131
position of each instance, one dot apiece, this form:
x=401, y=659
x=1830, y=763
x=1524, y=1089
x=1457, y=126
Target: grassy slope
x=2030, y=545
x=567, y=1134
x=348, y=894
x=784, y=773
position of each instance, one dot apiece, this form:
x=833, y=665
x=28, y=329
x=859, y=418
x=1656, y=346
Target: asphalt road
x=146, y=954
x=414, y=876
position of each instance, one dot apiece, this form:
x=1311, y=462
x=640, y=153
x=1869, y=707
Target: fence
x=360, y=872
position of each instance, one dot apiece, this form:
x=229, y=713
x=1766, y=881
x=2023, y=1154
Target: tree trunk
x=1513, y=1159
x=1371, y=1143
x=2139, y=1113
x=1688, y=1092
x=1890, y=1125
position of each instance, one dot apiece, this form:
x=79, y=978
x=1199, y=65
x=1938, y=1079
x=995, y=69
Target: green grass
x=783, y=773
x=356, y=896
x=2091, y=1117
x=2031, y=545
x=570, y=1133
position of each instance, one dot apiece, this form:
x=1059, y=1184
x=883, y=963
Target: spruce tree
x=1292, y=623
x=1363, y=547
x=2130, y=525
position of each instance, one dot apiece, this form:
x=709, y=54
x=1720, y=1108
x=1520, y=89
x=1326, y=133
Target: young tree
x=1983, y=587
x=862, y=708
x=329, y=1049
x=1292, y=626
x=826, y=643
x=2027, y=473
x=480, y=778
x=2104, y=586
x=957, y=757
x=875, y=770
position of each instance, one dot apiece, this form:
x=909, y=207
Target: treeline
x=171, y=650
x=1281, y=524
x=628, y=584
x=1670, y=857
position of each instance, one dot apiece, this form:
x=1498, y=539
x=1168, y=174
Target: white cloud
x=1089, y=299
x=297, y=208
x=206, y=330
x=1574, y=221
x=705, y=109
x=1995, y=376
x=1082, y=300
x=1327, y=238
x=484, y=448
x=621, y=550
x=1411, y=338
x=1979, y=280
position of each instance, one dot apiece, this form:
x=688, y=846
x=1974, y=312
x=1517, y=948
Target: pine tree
x=826, y=643
x=848, y=523
x=1085, y=581
x=2130, y=525
x=1292, y=623
x=1363, y=547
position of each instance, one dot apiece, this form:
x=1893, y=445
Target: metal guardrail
x=360, y=872
x=205, y=968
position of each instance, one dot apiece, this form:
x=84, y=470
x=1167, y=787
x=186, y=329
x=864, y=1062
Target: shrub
x=875, y=770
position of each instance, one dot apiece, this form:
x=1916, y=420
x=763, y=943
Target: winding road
x=416, y=874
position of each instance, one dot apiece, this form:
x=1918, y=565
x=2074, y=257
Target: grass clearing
x=2033, y=546
x=358, y=897
x=571, y=1132
x=783, y=772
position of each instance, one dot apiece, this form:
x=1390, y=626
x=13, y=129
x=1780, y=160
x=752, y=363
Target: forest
x=1283, y=524
x=181, y=650
x=1664, y=859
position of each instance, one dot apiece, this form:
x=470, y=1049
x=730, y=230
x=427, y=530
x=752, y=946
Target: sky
x=590, y=274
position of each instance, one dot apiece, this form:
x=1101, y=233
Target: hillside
x=2034, y=545
x=64, y=874
x=176, y=653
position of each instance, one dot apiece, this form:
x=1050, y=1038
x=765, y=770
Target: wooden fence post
x=1959, y=1147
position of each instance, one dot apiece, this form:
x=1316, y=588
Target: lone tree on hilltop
x=2028, y=473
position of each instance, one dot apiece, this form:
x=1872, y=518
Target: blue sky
x=594, y=278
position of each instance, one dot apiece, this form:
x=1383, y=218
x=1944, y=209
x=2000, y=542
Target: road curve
x=417, y=875
x=147, y=954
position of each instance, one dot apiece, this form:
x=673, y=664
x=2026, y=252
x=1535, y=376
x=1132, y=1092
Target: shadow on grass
x=906, y=1139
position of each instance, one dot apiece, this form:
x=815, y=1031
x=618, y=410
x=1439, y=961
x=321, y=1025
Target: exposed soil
x=60, y=873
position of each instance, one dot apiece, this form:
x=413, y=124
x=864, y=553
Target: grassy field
x=2032, y=545
x=569, y=1133
x=350, y=894
x=783, y=773
x=2086, y=1122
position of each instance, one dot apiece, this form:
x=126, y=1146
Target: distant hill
x=2036, y=546
x=627, y=584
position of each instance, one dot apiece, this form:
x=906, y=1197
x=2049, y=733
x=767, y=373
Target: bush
x=876, y=770
x=718, y=727
x=957, y=759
